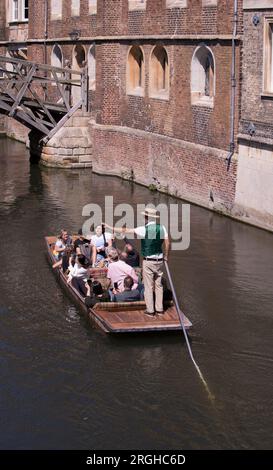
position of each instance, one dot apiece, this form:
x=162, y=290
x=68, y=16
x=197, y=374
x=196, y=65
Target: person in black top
x=79, y=242
x=95, y=294
x=129, y=294
x=132, y=255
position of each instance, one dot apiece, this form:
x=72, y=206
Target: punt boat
x=118, y=317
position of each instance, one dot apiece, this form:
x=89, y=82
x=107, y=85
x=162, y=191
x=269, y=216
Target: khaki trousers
x=152, y=280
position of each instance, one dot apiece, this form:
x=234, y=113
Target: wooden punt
x=118, y=317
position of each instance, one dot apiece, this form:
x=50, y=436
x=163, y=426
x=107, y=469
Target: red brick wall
x=176, y=117
x=36, y=24
x=185, y=170
x=2, y=21
x=108, y=83
x=194, y=19
x=113, y=18
x=85, y=23
x=179, y=137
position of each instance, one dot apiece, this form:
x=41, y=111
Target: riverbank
x=192, y=172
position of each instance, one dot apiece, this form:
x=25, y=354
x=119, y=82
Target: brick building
x=164, y=89
x=13, y=43
x=254, y=191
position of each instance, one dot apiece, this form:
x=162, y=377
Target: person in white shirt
x=79, y=269
x=100, y=241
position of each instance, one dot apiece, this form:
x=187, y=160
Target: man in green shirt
x=154, y=238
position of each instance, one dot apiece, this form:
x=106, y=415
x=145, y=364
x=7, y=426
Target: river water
x=65, y=385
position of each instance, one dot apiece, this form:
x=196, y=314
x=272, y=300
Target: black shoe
x=160, y=313
x=151, y=314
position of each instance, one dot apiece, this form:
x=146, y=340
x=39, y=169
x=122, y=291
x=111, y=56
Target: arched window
x=56, y=59
x=92, y=67
x=159, y=73
x=56, y=56
x=78, y=62
x=135, y=71
x=203, y=76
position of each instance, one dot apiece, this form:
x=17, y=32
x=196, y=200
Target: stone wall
x=15, y=130
x=71, y=146
x=254, y=189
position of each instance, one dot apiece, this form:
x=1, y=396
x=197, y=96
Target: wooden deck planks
x=137, y=320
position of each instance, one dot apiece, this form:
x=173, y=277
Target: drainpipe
x=45, y=29
x=45, y=39
x=233, y=86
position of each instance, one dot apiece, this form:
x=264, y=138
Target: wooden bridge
x=40, y=96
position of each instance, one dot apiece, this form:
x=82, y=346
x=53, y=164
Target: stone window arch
x=135, y=71
x=159, y=73
x=92, y=67
x=203, y=76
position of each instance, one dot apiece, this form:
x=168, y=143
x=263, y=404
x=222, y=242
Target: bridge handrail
x=40, y=66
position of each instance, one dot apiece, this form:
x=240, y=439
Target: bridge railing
x=43, y=94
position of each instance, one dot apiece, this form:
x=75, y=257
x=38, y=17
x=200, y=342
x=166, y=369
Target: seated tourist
x=69, y=257
x=123, y=256
x=118, y=270
x=80, y=285
x=95, y=293
x=81, y=243
x=100, y=241
x=80, y=268
x=128, y=294
x=63, y=241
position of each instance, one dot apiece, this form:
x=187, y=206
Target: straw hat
x=150, y=212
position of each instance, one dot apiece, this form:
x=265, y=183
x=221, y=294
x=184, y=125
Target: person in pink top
x=118, y=270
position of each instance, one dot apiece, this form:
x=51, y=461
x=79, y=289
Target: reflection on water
x=66, y=385
x=72, y=315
